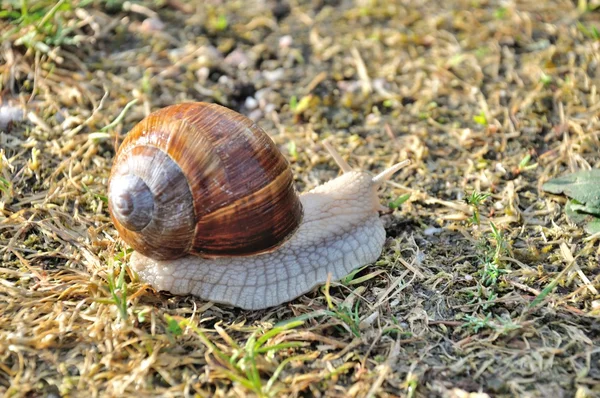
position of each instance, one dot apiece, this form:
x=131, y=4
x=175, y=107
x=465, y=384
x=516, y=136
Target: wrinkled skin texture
x=341, y=231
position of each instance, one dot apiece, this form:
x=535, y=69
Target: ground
x=484, y=287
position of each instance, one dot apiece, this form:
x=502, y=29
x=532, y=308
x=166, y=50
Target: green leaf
x=593, y=227
x=293, y=103
x=303, y=317
x=579, y=208
x=4, y=185
x=292, y=149
x=575, y=217
x=221, y=22
x=583, y=216
x=480, y=119
x=583, y=186
x=173, y=326
x=394, y=204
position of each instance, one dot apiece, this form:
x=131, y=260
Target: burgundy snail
x=208, y=203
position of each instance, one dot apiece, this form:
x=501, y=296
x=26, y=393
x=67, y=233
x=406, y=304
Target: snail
x=208, y=204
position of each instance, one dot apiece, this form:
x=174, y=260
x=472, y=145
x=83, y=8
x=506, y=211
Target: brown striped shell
x=201, y=179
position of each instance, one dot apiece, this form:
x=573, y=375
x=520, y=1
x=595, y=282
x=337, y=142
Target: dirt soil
x=484, y=288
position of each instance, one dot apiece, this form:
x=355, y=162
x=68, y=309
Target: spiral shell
x=201, y=179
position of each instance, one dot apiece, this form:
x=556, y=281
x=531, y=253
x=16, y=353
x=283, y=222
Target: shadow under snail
x=207, y=202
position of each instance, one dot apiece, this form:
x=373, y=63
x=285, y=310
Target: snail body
x=282, y=244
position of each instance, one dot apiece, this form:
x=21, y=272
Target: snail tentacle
x=386, y=174
x=344, y=166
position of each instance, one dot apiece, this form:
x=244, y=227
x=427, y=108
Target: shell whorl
x=217, y=183
x=132, y=202
x=163, y=227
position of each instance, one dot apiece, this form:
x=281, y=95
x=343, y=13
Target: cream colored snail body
x=208, y=204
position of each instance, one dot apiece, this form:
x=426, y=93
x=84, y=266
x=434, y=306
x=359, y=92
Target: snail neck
x=351, y=195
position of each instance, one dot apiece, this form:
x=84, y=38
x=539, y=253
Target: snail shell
x=200, y=179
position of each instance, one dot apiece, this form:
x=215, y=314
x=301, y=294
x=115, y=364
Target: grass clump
x=475, y=200
x=41, y=25
x=244, y=364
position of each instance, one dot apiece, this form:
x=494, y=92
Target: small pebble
x=150, y=25
x=250, y=103
x=285, y=41
x=209, y=56
x=202, y=74
x=255, y=115
x=372, y=119
x=274, y=75
x=237, y=58
x=261, y=94
x=10, y=114
x=432, y=231
x=269, y=108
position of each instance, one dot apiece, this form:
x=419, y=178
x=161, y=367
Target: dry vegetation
x=483, y=287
